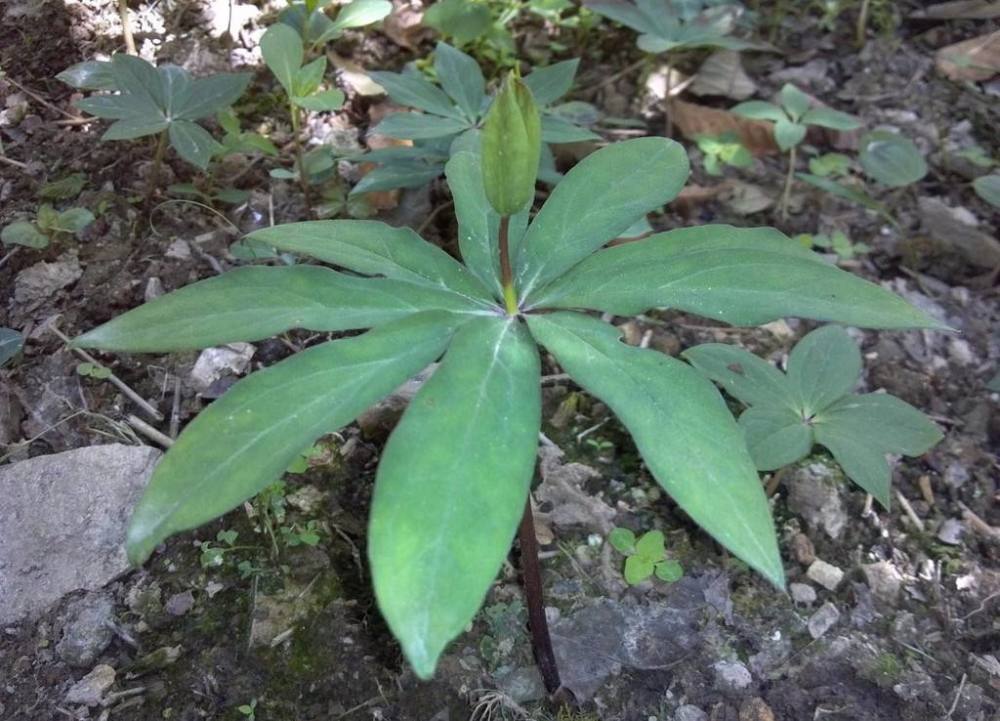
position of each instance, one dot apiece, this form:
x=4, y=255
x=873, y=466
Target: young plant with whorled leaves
x=452, y=485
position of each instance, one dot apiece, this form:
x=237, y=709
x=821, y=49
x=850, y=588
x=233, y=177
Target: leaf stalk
x=531, y=579
x=506, y=275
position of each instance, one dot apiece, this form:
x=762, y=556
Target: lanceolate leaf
x=253, y=303
x=461, y=78
x=374, y=248
x=452, y=485
x=415, y=91
x=212, y=94
x=595, y=202
x=680, y=425
x=419, y=126
x=192, y=142
x=823, y=367
x=246, y=439
x=550, y=83
x=362, y=12
x=744, y=376
x=737, y=275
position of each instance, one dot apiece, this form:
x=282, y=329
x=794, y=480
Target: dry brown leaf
x=694, y=120
x=975, y=59
x=404, y=25
x=960, y=9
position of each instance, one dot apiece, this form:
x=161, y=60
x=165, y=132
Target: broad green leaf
x=550, y=83
x=10, y=343
x=760, y=110
x=478, y=222
x=651, y=545
x=137, y=127
x=744, y=376
x=257, y=302
x=461, y=20
x=175, y=86
x=21, y=232
x=452, y=485
x=891, y=159
x=73, y=220
x=282, y=49
x=140, y=82
x=788, y=134
x=245, y=440
x=360, y=13
x=829, y=118
x=682, y=428
x=556, y=130
x=794, y=101
x=822, y=367
x=623, y=540
x=861, y=459
x=212, y=94
x=193, y=143
x=775, y=436
x=373, y=248
x=987, y=187
x=89, y=75
x=415, y=91
x=308, y=77
x=461, y=78
x=64, y=188
x=108, y=106
x=743, y=276
x=595, y=202
x=637, y=569
x=419, y=126
x=398, y=175
x=323, y=101
x=622, y=12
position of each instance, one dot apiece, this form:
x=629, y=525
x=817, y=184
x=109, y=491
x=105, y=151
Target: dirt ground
x=271, y=627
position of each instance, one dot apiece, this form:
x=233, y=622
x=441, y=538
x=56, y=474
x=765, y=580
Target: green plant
x=312, y=23
x=837, y=243
x=10, y=343
x=48, y=225
x=670, y=26
x=479, y=25
x=891, y=159
x=164, y=101
x=213, y=555
x=791, y=119
x=249, y=710
x=830, y=165
x=284, y=53
x=452, y=484
x=987, y=187
x=723, y=149
x=644, y=557
x=456, y=108
x=812, y=403
x=93, y=370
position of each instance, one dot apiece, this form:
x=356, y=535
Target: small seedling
x=11, y=343
x=812, y=403
x=837, y=243
x=249, y=710
x=451, y=112
x=65, y=188
x=830, y=165
x=645, y=557
x=300, y=535
x=48, y=225
x=213, y=556
x=791, y=120
x=891, y=159
x=724, y=149
x=453, y=481
x=316, y=28
x=93, y=370
x=164, y=101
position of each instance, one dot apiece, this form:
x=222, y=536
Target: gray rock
x=732, y=676
x=43, y=280
x=657, y=635
x=215, y=363
x=951, y=532
x=587, y=646
x=73, y=506
x=825, y=574
x=823, y=620
x=86, y=629
x=90, y=689
x=884, y=579
x=814, y=492
x=179, y=603
x=802, y=593
x=523, y=684
x=687, y=712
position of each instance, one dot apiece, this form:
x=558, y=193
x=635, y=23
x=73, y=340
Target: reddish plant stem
x=531, y=579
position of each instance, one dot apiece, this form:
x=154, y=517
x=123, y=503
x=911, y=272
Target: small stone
x=86, y=630
x=89, y=690
x=951, y=532
x=956, y=475
x=802, y=593
x=158, y=659
x=825, y=574
x=178, y=250
x=756, y=709
x=154, y=289
x=884, y=579
x=803, y=549
x=179, y=603
x=823, y=620
x=307, y=499
x=212, y=588
x=814, y=492
x=732, y=676
x=687, y=712
x=523, y=684
x=214, y=363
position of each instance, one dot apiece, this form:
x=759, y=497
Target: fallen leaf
x=694, y=120
x=722, y=74
x=746, y=198
x=404, y=25
x=976, y=59
x=355, y=76
x=960, y=9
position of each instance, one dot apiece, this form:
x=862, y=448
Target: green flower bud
x=511, y=143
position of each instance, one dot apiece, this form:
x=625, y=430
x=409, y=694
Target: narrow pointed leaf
x=373, y=248
x=682, y=428
x=595, y=202
x=115, y=107
x=743, y=276
x=193, y=143
x=135, y=127
x=829, y=118
x=557, y=130
x=452, y=485
x=245, y=440
x=210, y=95
x=89, y=75
x=759, y=110
x=362, y=12
x=621, y=12
x=823, y=366
x=775, y=436
x=137, y=78
x=744, y=376
x=550, y=83
x=253, y=303
x=461, y=78
x=415, y=91
x=419, y=126
x=398, y=175
x=323, y=101
x=282, y=49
